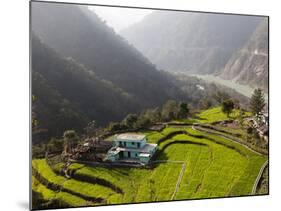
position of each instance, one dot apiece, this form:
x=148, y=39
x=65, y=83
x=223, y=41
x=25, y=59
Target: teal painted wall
x=132, y=154
x=129, y=144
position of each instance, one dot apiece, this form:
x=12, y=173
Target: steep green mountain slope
x=249, y=65
x=74, y=31
x=83, y=71
x=199, y=43
x=68, y=95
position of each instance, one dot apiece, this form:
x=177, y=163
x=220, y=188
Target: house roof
x=146, y=149
x=130, y=137
x=146, y=155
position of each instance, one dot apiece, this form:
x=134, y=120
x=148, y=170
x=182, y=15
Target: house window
x=138, y=145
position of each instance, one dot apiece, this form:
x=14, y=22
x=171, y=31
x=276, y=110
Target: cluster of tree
x=226, y=102
x=203, y=95
x=171, y=110
x=257, y=102
x=66, y=143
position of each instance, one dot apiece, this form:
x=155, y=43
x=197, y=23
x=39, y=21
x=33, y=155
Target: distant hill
x=198, y=43
x=249, y=65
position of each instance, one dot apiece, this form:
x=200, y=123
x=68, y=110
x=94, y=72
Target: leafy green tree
x=170, y=110
x=116, y=126
x=221, y=96
x=70, y=140
x=241, y=117
x=156, y=115
x=55, y=145
x=257, y=101
x=183, y=110
x=130, y=120
x=91, y=128
x=205, y=103
x=227, y=107
x=143, y=122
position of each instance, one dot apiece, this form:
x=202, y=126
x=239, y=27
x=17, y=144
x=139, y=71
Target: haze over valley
x=233, y=47
x=94, y=68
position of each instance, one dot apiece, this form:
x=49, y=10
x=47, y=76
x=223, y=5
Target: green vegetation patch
x=83, y=188
x=139, y=185
x=215, y=114
x=50, y=195
x=190, y=164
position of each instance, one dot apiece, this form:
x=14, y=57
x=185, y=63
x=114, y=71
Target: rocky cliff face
x=249, y=65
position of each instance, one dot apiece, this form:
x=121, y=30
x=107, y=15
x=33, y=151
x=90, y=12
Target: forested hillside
x=82, y=71
x=68, y=95
x=76, y=32
x=249, y=65
x=198, y=43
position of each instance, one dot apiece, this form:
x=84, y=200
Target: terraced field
x=189, y=164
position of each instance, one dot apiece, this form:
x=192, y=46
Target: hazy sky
x=119, y=18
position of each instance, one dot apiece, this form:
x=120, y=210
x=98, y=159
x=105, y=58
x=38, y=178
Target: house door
x=129, y=154
x=121, y=154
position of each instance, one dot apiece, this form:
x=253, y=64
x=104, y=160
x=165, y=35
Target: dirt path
x=179, y=180
x=259, y=177
x=225, y=137
x=180, y=174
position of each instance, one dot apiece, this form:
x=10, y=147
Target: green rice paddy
x=191, y=165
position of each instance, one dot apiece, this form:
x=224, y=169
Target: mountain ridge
x=249, y=65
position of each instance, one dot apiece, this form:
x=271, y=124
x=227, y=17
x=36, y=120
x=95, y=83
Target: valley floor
x=242, y=89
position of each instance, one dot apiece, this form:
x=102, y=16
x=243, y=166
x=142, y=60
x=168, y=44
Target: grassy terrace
x=71, y=185
x=212, y=167
x=215, y=115
x=63, y=197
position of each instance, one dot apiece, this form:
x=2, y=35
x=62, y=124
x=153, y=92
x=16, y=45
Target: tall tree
x=91, y=128
x=183, y=110
x=170, y=110
x=257, y=102
x=221, y=96
x=130, y=120
x=227, y=106
x=70, y=140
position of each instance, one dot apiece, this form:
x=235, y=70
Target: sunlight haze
x=119, y=18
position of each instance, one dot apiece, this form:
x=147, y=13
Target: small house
x=131, y=147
